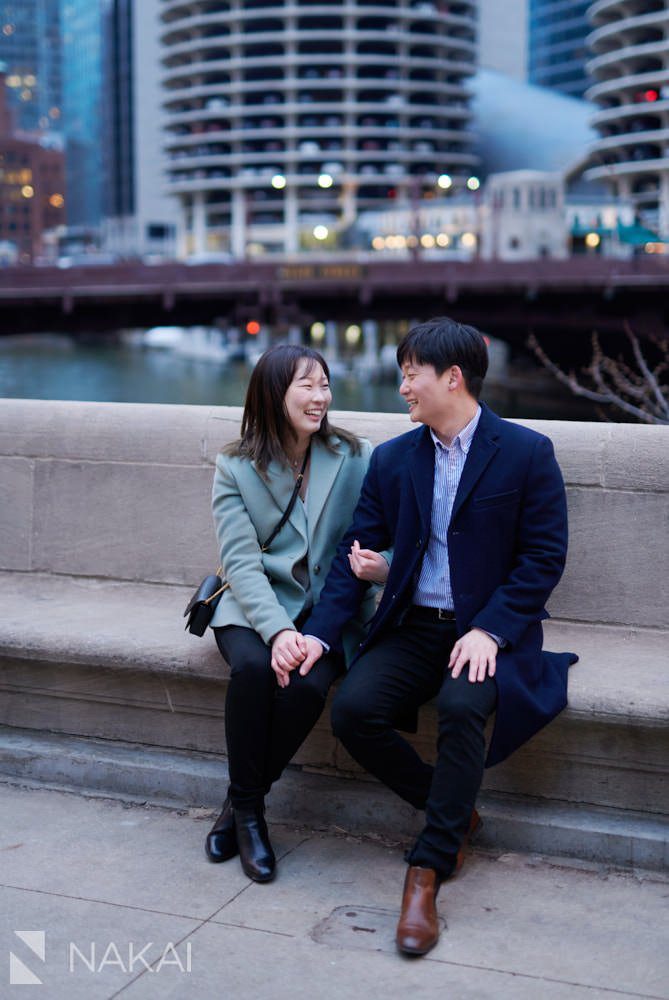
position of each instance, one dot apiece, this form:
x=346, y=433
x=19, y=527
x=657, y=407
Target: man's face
x=426, y=393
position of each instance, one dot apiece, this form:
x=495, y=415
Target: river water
x=56, y=367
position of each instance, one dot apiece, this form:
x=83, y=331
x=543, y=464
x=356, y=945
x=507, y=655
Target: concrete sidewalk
x=108, y=881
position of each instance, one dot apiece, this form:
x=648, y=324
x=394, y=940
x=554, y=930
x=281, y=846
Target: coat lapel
x=483, y=447
x=280, y=484
x=421, y=469
x=325, y=466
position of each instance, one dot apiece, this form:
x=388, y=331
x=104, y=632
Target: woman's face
x=307, y=398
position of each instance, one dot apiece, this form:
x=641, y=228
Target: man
x=474, y=508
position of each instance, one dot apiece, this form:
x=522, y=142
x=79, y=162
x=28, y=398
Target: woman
x=270, y=708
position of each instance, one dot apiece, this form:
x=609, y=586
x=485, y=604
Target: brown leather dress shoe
x=418, y=927
x=474, y=824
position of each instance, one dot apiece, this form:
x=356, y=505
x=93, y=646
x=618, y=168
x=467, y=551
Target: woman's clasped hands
x=291, y=649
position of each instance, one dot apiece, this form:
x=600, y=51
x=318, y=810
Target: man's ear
x=454, y=377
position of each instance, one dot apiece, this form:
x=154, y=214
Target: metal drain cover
x=368, y=928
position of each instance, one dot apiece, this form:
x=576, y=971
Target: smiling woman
x=287, y=447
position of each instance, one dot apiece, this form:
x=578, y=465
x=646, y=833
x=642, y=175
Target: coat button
x=419, y=543
x=317, y=569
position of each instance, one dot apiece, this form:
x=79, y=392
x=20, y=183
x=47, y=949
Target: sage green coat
x=264, y=593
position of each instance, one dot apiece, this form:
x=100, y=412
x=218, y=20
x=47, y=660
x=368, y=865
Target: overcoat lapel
x=280, y=483
x=482, y=449
x=325, y=466
x=421, y=470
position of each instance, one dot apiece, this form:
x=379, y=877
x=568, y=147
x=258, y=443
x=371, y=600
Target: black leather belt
x=422, y=613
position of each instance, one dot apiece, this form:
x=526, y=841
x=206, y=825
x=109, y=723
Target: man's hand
x=314, y=651
x=288, y=651
x=477, y=649
x=367, y=564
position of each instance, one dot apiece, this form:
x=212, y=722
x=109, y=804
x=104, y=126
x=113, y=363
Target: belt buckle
x=443, y=615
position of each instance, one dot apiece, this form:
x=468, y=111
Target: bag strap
x=284, y=518
x=291, y=502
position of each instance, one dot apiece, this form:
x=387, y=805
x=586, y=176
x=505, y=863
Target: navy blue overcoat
x=507, y=543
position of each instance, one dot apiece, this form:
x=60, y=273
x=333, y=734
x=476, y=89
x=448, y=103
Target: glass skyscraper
x=556, y=41
x=30, y=34
x=83, y=109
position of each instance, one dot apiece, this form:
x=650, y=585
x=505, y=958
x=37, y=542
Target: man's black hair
x=442, y=342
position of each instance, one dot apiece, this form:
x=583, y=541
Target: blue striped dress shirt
x=434, y=583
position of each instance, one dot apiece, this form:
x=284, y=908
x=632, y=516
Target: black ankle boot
x=255, y=850
x=221, y=842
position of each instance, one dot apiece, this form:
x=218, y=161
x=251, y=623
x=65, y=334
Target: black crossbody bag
x=203, y=603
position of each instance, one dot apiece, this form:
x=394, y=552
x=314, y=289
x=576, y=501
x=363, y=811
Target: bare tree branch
x=615, y=382
x=646, y=372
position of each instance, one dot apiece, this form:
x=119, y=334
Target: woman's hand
x=367, y=564
x=288, y=651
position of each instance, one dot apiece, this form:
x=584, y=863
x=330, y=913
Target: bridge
x=561, y=300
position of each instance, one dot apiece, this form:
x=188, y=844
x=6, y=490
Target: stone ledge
x=177, y=779
x=622, y=675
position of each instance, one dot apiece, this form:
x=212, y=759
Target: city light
x=352, y=334
x=317, y=331
x=325, y=180
x=427, y=240
x=56, y=201
x=473, y=183
x=592, y=240
x=321, y=232
x=378, y=243
x=396, y=242
x=253, y=327
x=443, y=239
x=278, y=181
x=468, y=241
x=28, y=191
x=444, y=181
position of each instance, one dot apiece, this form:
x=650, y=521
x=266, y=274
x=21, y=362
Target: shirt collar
x=464, y=438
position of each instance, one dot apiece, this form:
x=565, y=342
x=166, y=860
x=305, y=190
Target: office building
x=30, y=50
x=83, y=120
x=32, y=183
x=557, y=53
x=139, y=217
x=503, y=36
x=286, y=120
x=630, y=70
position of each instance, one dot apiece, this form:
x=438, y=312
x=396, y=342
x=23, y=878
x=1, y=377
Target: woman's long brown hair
x=266, y=428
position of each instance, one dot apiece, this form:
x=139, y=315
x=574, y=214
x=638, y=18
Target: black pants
x=406, y=668
x=264, y=724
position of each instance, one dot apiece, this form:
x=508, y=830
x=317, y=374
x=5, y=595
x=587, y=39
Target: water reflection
x=56, y=367
x=49, y=367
